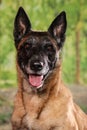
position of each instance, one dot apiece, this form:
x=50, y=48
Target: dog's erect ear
x=58, y=28
x=22, y=25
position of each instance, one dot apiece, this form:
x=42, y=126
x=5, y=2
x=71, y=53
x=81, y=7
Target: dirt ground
x=7, y=96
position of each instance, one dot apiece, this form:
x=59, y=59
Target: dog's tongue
x=35, y=80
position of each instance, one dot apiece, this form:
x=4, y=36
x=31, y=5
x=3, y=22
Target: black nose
x=36, y=65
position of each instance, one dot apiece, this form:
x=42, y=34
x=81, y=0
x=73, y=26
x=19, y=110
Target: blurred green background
x=41, y=13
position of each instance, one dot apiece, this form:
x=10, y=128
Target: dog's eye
x=49, y=48
x=28, y=46
x=50, y=51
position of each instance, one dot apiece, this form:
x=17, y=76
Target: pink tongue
x=35, y=80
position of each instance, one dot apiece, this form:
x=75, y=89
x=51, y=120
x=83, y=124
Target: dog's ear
x=22, y=25
x=58, y=28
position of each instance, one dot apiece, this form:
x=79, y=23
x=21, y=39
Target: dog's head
x=38, y=52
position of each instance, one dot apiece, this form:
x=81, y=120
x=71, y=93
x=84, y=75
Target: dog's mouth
x=36, y=80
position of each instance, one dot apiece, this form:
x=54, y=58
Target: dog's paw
x=22, y=127
x=17, y=117
x=16, y=123
x=19, y=123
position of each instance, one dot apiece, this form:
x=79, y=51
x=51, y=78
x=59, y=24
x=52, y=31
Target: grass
x=5, y=118
x=84, y=108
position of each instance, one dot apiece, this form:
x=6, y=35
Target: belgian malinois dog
x=42, y=101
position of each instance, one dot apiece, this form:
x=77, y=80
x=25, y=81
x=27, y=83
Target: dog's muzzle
x=37, y=70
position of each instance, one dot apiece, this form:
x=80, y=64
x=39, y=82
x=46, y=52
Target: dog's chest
x=43, y=116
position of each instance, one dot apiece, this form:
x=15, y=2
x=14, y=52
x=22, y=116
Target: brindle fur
x=51, y=108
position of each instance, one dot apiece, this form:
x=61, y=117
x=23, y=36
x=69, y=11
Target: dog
x=42, y=101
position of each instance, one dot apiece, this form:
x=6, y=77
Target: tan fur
x=52, y=110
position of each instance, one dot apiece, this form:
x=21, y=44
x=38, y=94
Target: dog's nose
x=36, y=66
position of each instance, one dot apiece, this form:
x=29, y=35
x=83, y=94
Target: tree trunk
x=0, y=2
x=77, y=56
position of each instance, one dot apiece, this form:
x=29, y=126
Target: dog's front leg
x=18, y=113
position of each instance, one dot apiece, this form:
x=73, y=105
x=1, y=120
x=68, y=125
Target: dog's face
x=38, y=52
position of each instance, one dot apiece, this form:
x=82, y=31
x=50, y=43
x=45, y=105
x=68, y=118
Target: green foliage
x=41, y=14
